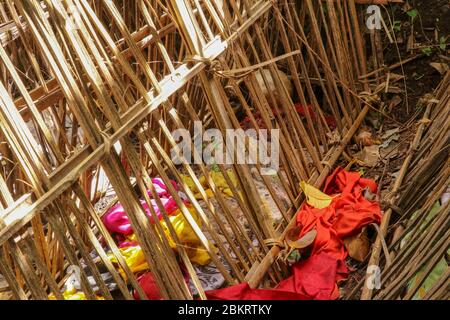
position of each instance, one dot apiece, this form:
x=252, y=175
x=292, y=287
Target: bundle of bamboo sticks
x=418, y=234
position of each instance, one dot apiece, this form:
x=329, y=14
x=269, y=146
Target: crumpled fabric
x=347, y=214
x=73, y=294
x=195, y=250
x=313, y=278
x=117, y=221
x=126, y=241
x=188, y=239
x=242, y=291
x=219, y=181
x=150, y=288
x=316, y=277
x=74, y=280
x=209, y=276
x=134, y=258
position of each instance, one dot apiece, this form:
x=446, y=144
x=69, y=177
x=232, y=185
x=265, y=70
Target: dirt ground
x=430, y=28
x=421, y=27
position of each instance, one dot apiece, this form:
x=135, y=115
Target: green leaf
x=442, y=43
x=294, y=256
x=361, y=171
x=412, y=13
x=427, y=51
x=397, y=25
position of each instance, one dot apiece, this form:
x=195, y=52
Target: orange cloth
x=345, y=216
x=313, y=278
x=316, y=277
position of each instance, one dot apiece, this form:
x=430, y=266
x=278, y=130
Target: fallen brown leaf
x=369, y=155
x=303, y=242
x=442, y=68
x=365, y=138
x=358, y=245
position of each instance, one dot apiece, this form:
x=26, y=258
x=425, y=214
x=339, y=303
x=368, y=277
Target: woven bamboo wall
x=79, y=78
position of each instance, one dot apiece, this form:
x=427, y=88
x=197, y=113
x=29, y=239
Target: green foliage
x=361, y=171
x=443, y=43
x=397, y=26
x=413, y=13
x=427, y=51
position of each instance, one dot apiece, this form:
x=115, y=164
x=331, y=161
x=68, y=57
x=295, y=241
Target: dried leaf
x=365, y=138
x=389, y=133
x=394, y=102
x=395, y=174
x=271, y=90
x=334, y=137
x=369, y=195
x=442, y=68
x=369, y=155
x=315, y=197
x=303, y=242
x=390, y=150
x=358, y=245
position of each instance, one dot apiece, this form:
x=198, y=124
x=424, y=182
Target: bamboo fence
x=79, y=78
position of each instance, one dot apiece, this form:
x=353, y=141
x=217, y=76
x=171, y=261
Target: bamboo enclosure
x=93, y=89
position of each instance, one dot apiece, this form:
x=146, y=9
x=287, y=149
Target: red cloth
x=149, y=286
x=315, y=277
x=302, y=111
x=243, y=292
x=345, y=216
x=309, y=110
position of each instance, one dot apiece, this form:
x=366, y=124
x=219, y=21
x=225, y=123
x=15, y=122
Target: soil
x=429, y=29
x=429, y=26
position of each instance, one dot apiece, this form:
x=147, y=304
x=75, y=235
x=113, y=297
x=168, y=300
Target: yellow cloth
x=73, y=294
x=188, y=239
x=219, y=181
x=134, y=256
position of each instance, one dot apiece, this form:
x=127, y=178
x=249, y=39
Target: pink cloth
x=116, y=220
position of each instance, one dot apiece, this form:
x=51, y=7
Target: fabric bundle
x=188, y=239
x=149, y=286
x=219, y=181
x=118, y=224
x=135, y=259
x=73, y=294
x=117, y=221
x=346, y=213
